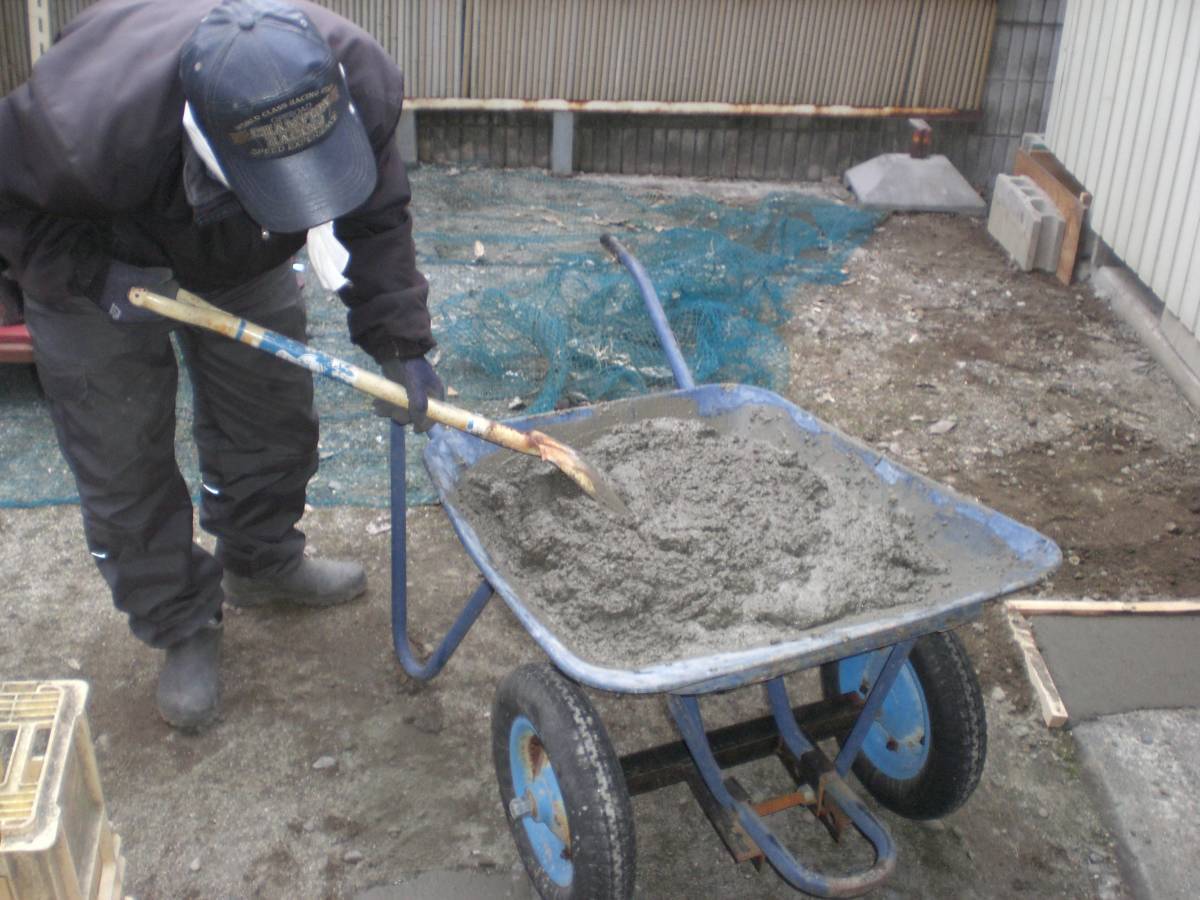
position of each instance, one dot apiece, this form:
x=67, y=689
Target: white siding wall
x=1125, y=121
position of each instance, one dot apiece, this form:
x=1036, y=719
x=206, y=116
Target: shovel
x=196, y=311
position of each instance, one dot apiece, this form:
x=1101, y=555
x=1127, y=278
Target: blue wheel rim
x=898, y=741
x=546, y=824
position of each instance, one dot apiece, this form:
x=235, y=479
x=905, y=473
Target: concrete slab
x=1186, y=344
x=1147, y=772
x=896, y=181
x=1114, y=664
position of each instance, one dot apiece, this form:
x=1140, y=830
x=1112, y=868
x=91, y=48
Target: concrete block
x=1050, y=238
x=1026, y=223
x=1015, y=220
x=1054, y=226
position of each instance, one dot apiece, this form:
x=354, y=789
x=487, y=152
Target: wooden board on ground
x=1054, y=711
x=1102, y=607
x=1067, y=195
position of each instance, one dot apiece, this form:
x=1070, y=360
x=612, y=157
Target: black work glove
x=114, y=295
x=417, y=377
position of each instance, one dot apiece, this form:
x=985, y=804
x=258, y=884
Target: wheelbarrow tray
x=1010, y=555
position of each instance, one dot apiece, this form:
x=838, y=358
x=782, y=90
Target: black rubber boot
x=189, y=692
x=315, y=582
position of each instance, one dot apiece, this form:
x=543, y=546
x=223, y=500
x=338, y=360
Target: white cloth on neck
x=328, y=256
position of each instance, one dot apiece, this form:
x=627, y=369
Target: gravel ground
x=331, y=774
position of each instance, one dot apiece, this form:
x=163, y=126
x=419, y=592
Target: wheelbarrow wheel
x=925, y=751
x=562, y=787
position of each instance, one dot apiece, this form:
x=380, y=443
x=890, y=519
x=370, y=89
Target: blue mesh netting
x=543, y=318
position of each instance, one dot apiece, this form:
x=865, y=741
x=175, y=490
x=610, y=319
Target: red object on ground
x=16, y=346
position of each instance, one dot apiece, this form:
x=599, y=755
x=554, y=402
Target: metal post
x=38, y=17
x=922, y=139
x=562, y=143
x=406, y=137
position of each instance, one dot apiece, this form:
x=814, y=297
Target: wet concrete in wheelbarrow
x=743, y=531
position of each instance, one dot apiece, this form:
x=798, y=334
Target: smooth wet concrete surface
x=1113, y=664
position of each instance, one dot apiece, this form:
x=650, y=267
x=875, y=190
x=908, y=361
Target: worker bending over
x=195, y=144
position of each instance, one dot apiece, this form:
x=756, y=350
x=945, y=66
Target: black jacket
x=92, y=167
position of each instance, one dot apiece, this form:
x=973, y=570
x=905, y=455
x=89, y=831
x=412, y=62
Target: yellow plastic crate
x=55, y=837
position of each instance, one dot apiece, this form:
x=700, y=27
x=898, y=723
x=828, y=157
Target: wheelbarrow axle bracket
x=822, y=789
x=671, y=763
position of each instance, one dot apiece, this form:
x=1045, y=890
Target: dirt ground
x=331, y=773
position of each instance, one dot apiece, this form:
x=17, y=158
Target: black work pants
x=111, y=389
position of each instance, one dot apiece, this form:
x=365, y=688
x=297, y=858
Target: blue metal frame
x=685, y=710
x=879, y=690
x=897, y=743
x=399, y=500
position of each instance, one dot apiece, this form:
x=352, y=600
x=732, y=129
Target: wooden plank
x=1068, y=197
x=1054, y=711
x=1102, y=607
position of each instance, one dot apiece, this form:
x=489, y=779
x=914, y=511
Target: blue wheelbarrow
x=900, y=694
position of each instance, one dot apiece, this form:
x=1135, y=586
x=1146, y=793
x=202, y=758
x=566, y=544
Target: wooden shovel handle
x=193, y=310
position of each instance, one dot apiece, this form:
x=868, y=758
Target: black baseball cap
x=267, y=90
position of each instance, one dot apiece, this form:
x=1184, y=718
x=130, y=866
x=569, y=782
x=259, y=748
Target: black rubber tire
x=599, y=812
x=957, y=739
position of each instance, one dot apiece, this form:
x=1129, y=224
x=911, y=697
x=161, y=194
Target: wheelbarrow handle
x=194, y=310
x=654, y=308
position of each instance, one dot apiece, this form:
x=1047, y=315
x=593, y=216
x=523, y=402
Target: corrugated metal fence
x=14, y=44
x=424, y=36
x=929, y=53
x=1125, y=122
x=1024, y=45
x=860, y=52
